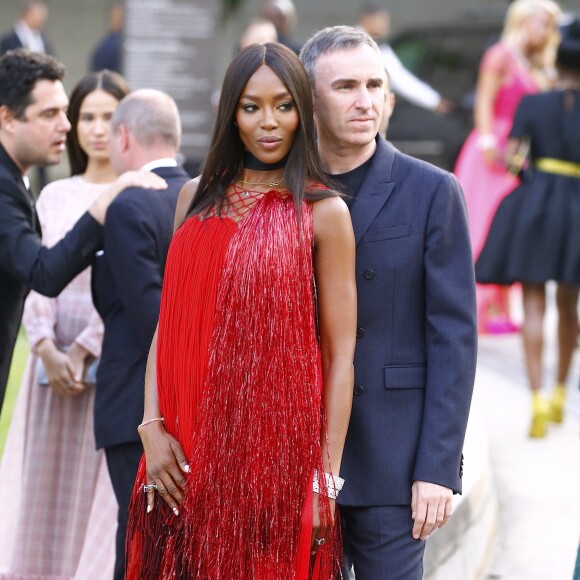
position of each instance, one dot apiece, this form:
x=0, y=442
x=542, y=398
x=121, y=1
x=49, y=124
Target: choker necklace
x=252, y=162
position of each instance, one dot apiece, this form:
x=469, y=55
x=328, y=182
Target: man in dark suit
x=127, y=279
x=33, y=128
x=27, y=32
x=108, y=52
x=416, y=340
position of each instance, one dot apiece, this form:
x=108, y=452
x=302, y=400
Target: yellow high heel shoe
x=540, y=416
x=557, y=402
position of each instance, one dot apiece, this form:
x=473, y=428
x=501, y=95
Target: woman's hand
x=59, y=370
x=166, y=465
x=491, y=156
x=321, y=533
x=78, y=357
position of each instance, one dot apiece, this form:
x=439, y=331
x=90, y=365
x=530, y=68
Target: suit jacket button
x=360, y=332
x=358, y=390
x=369, y=274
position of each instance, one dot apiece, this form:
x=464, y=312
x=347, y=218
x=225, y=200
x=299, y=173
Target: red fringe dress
x=239, y=384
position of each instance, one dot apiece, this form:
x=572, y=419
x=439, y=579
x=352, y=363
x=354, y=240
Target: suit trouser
x=378, y=544
x=123, y=461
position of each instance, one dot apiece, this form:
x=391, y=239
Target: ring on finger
x=150, y=487
x=320, y=541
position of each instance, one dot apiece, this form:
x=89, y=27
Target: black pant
x=378, y=543
x=123, y=461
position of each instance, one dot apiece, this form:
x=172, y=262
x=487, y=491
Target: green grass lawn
x=16, y=370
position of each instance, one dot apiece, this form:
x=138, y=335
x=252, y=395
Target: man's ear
x=124, y=137
x=389, y=103
x=6, y=117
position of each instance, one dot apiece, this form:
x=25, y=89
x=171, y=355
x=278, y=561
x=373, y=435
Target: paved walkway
x=537, y=481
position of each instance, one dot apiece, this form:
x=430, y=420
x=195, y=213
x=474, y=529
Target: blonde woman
x=521, y=63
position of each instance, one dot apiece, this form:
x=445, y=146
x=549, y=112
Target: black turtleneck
x=352, y=180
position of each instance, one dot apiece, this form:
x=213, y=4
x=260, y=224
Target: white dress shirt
x=31, y=39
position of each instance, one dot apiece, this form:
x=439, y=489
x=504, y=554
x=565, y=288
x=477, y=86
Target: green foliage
x=229, y=7
x=16, y=370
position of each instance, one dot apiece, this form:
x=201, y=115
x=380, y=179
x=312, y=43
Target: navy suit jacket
x=126, y=280
x=25, y=263
x=417, y=339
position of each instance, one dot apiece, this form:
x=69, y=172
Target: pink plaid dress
x=58, y=513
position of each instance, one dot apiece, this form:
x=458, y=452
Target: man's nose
x=363, y=99
x=64, y=124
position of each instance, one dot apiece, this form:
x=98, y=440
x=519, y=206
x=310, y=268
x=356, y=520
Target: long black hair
x=105, y=80
x=225, y=155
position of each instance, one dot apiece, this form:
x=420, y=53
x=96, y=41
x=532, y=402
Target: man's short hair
x=151, y=116
x=20, y=69
x=332, y=39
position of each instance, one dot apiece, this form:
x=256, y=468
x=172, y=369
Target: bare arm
x=488, y=85
x=186, y=196
x=336, y=289
x=165, y=460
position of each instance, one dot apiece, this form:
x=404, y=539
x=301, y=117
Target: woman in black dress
x=535, y=234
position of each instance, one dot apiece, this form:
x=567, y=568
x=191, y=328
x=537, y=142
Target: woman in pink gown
x=520, y=64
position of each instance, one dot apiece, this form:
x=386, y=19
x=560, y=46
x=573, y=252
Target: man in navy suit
x=127, y=278
x=416, y=340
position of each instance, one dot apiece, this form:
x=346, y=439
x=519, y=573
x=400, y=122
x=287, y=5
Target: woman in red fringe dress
x=249, y=379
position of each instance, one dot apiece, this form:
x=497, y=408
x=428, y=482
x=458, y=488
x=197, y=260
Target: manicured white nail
x=187, y=469
x=176, y=511
x=149, y=508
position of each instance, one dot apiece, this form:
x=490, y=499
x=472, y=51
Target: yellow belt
x=557, y=166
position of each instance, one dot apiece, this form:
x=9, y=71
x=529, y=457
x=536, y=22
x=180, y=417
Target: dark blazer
x=25, y=264
x=126, y=280
x=107, y=54
x=416, y=339
x=11, y=41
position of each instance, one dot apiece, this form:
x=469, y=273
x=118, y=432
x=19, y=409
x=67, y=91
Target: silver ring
x=149, y=487
x=320, y=541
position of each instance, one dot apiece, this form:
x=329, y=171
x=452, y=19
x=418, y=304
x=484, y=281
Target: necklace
x=268, y=183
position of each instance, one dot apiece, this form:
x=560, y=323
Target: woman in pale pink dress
x=57, y=507
x=521, y=63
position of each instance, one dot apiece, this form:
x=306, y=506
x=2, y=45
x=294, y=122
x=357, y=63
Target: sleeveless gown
x=239, y=384
x=486, y=186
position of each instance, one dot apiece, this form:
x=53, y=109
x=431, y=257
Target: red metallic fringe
x=240, y=385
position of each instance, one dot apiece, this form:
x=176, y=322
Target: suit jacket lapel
x=375, y=189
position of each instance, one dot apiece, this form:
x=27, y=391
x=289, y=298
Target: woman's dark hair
x=105, y=80
x=224, y=158
x=568, y=55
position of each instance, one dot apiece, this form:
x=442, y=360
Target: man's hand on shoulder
x=140, y=178
x=431, y=505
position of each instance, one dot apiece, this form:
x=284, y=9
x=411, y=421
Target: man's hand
x=431, y=505
x=140, y=178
